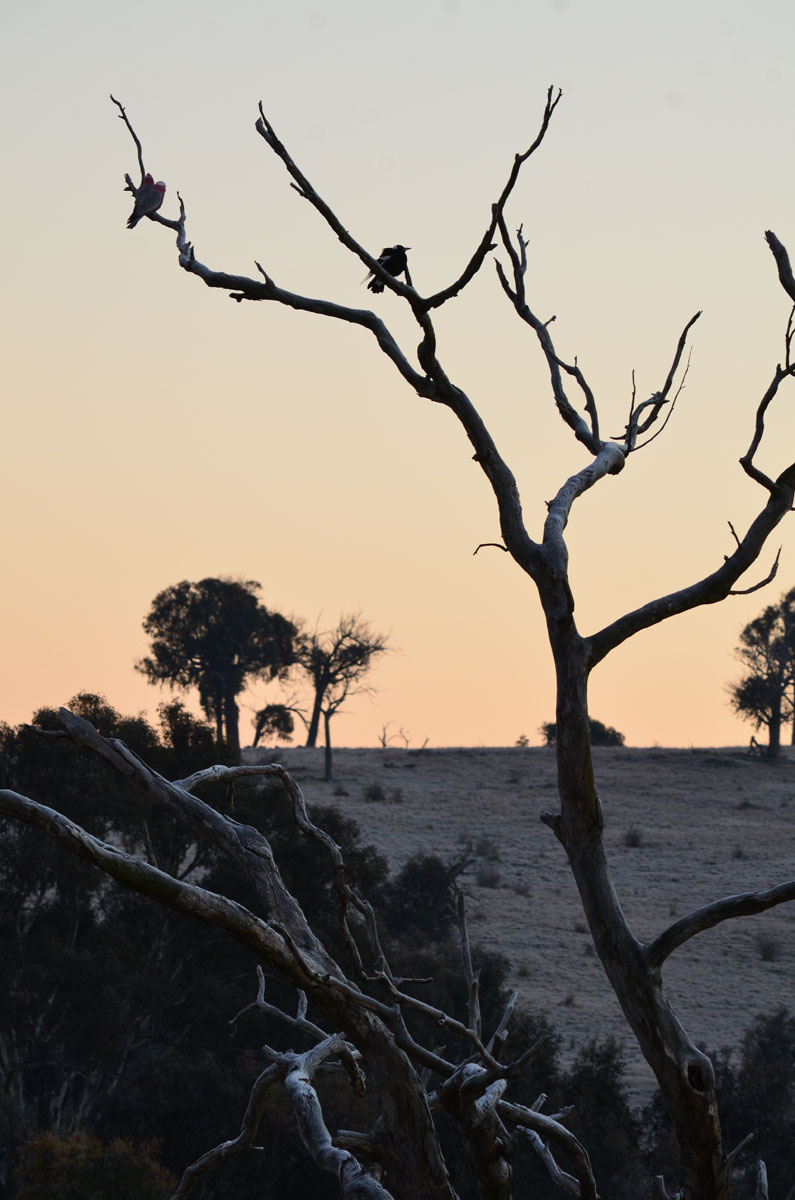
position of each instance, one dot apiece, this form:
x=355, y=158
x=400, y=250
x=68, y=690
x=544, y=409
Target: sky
x=153, y=431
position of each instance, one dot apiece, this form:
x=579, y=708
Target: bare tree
x=335, y=662
x=404, y=1142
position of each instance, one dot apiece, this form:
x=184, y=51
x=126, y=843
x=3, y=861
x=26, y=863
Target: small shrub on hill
x=601, y=734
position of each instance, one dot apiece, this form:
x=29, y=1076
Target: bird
x=393, y=260
x=148, y=199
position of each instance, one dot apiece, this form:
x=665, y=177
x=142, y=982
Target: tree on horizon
x=765, y=693
x=335, y=662
x=215, y=636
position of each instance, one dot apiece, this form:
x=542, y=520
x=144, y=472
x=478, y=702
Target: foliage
x=765, y=694
x=601, y=735
x=273, y=721
x=215, y=635
x=421, y=898
x=603, y=1118
x=79, y=1167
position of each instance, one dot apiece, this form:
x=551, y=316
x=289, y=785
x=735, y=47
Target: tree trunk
x=327, y=755
x=218, y=713
x=684, y=1074
x=774, y=730
x=232, y=730
x=314, y=721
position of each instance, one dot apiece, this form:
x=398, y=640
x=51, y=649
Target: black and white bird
x=393, y=260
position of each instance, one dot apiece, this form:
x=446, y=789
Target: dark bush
x=79, y=1167
x=601, y=735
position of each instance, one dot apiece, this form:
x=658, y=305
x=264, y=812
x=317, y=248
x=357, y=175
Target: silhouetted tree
x=336, y=662
x=764, y=695
x=274, y=720
x=215, y=635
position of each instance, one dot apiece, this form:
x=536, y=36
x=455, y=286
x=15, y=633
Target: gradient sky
x=155, y=431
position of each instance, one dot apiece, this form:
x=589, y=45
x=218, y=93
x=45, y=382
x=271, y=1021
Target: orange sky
x=154, y=431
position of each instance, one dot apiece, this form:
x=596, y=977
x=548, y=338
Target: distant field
x=708, y=823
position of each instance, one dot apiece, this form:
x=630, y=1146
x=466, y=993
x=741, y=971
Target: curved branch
x=133, y=134
x=586, y=433
x=636, y=428
x=779, y=252
x=746, y=461
x=487, y=241
x=526, y=1118
x=149, y=881
x=353, y=1179
x=609, y=461
x=249, y=848
x=712, y=588
x=305, y=189
x=743, y=905
x=242, y=287
x=555, y=1172
x=248, y=1131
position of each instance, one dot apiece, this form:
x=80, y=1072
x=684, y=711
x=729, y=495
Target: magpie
x=393, y=260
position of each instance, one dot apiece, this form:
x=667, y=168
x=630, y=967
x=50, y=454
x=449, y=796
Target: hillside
x=683, y=827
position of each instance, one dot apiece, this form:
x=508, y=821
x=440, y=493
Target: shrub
x=77, y=1167
x=488, y=875
x=601, y=735
x=769, y=947
x=420, y=898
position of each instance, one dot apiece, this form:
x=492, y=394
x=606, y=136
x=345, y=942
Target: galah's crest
x=148, y=200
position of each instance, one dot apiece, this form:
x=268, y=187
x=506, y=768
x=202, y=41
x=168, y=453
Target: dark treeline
x=128, y=1045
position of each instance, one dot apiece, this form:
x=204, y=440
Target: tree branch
x=781, y=256
x=133, y=135
x=743, y=905
x=248, y=1131
x=712, y=588
x=133, y=873
x=307, y=192
x=546, y=1127
x=487, y=241
x=587, y=433
x=555, y=1172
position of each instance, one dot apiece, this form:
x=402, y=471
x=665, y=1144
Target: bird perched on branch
x=393, y=260
x=148, y=199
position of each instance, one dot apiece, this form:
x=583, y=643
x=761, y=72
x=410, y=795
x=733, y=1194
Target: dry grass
x=694, y=807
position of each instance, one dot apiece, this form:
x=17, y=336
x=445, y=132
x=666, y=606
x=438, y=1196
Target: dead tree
x=406, y=1146
x=335, y=662
x=364, y=1010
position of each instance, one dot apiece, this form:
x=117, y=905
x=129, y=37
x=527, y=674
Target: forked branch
x=720, y=583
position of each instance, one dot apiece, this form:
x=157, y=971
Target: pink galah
x=148, y=200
